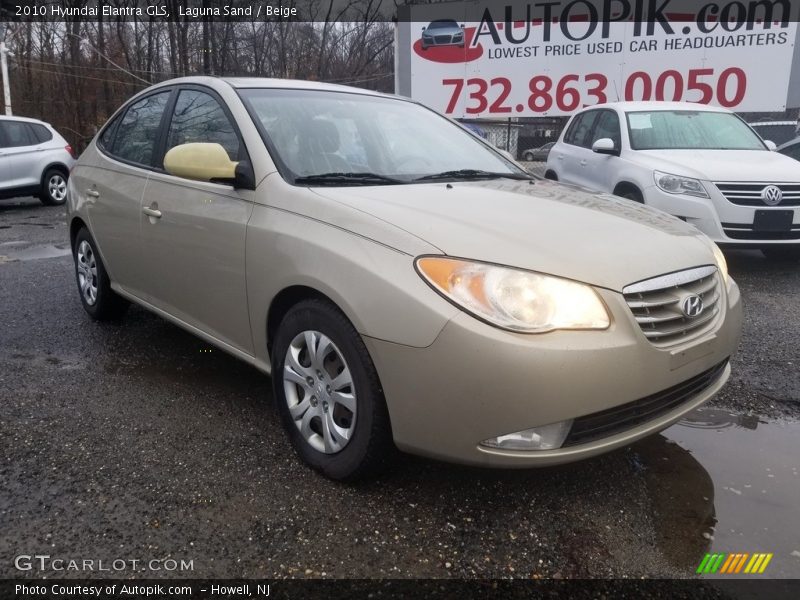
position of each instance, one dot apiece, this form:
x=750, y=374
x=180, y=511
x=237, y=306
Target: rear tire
x=94, y=287
x=782, y=253
x=328, y=393
x=54, y=188
x=551, y=175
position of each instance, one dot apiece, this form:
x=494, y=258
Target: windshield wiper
x=474, y=174
x=347, y=178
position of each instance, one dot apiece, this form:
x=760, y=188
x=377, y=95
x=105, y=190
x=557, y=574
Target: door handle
x=152, y=212
x=583, y=163
x=93, y=193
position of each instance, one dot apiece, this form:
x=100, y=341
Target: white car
x=700, y=163
x=34, y=160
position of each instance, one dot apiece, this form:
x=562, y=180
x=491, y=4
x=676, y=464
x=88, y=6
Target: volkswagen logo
x=772, y=195
x=692, y=306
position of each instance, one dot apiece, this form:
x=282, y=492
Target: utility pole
x=4, y=68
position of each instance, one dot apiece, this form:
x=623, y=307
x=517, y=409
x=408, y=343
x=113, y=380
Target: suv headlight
x=675, y=184
x=513, y=299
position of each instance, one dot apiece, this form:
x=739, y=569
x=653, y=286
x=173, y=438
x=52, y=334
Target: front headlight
x=675, y=184
x=722, y=264
x=513, y=299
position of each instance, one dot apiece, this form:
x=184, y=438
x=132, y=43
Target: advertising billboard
x=527, y=59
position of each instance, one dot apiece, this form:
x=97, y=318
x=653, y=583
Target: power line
x=76, y=76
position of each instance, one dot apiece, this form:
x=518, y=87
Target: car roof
x=655, y=106
x=23, y=119
x=268, y=82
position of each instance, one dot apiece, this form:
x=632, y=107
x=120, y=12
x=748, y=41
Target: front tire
x=54, y=188
x=782, y=253
x=528, y=157
x=328, y=393
x=98, y=299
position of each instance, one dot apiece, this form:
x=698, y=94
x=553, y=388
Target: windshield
x=317, y=133
x=690, y=130
x=443, y=25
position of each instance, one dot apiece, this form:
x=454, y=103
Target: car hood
x=542, y=226
x=725, y=165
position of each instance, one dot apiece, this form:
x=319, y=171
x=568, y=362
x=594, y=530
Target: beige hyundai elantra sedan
x=404, y=283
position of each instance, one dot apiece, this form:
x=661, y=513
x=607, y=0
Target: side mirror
x=507, y=154
x=771, y=146
x=200, y=161
x=424, y=28
x=605, y=146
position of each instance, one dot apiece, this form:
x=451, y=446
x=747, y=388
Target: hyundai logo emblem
x=692, y=306
x=772, y=195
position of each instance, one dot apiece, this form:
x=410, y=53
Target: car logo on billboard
x=445, y=41
x=772, y=195
x=692, y=306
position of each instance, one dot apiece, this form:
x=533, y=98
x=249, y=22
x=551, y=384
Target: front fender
x=375, y=286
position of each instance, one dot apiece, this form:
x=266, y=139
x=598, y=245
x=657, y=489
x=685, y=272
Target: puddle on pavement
x=722, y=482
x=33, y=252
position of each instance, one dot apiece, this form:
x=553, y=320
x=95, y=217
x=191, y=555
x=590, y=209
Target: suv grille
x=626, y=416
x=666, y=307
x=741, y=231
x=749, y=194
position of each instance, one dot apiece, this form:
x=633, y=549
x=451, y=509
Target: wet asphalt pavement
x=132, y=441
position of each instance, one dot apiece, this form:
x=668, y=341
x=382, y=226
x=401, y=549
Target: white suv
x=34, y=160
x=700, y=163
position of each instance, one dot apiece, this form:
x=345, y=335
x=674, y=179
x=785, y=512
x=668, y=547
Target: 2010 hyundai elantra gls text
x=405, y=284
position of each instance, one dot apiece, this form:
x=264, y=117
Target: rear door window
x=137, y=134
x=41, y=133
x=16, y=134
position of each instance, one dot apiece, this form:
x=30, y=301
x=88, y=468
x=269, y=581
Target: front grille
x=626, y=416
x=743, y=231
x=749, y=194
x=657, y=304
x=443, y=39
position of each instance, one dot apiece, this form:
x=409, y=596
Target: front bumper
x=721, y=220
x=476, y=382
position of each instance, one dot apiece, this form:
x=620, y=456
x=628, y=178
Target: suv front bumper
x=721, y=220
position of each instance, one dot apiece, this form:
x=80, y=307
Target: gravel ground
x=129, y=441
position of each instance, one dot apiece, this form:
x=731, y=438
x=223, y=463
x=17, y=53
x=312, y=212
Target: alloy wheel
x=57, y=187
x=87, y=272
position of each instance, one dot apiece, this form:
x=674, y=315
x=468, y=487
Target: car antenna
x=616, y=91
